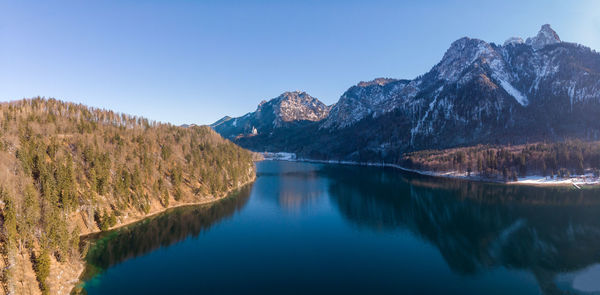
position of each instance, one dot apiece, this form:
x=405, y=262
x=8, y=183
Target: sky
x=183, y=61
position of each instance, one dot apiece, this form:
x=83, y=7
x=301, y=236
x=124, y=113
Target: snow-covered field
x=585, y=280
x=279, y=156
x=576, y=181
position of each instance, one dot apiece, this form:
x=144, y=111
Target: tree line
x=554, y=160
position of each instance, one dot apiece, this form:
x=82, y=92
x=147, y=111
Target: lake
x=306, y=228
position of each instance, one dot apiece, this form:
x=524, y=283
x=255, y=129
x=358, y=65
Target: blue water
x=306, y=228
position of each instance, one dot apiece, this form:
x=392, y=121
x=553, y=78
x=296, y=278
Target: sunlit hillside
x=67, y=169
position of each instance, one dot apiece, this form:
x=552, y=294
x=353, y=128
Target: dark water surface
x=305, y=228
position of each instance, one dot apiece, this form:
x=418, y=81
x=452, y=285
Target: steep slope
x=542, y=89
x=290, y=109
x=68, y=169
x=371, y=98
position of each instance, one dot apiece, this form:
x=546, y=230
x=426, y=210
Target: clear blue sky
x=196, y=61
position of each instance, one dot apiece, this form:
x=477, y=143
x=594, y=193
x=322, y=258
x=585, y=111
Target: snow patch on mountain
x=513, y=41
x=418, y=127
x=521, y=99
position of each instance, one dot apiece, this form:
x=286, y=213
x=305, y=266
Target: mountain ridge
x=295, y=108
x=479, y=92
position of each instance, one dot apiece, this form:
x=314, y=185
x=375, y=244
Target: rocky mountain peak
x=377, y=81
x=545, y=36
x=365, y=99
x=478, y=93
x=298, y=106
x=461, y=54
x=288, y=109
x=298, y=96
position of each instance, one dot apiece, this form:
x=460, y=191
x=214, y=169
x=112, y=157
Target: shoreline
x=77, y=280
x=162, y=210
x=531, y=180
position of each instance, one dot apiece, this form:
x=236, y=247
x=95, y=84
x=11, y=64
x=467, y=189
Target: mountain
x=365, y=99
x=541, y=89
x=546, y=36
x=289, y=110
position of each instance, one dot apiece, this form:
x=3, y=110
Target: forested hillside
x=66, y=169
x=507, y=163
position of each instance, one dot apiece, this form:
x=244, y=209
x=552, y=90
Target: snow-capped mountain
x=515, y=70
x=290, y=109
x=480, y=92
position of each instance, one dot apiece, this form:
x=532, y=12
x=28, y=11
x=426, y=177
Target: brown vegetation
x=66, y=169
x=561, y=159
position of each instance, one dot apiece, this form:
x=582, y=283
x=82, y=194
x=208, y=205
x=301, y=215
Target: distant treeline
x=561, y=159
x=66, y=168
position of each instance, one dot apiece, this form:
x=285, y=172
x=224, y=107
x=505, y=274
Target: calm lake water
x=306, y=228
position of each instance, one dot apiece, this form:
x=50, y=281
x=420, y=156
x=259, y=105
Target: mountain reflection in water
x=477, y=226
x=323, y=229
x=294, y=189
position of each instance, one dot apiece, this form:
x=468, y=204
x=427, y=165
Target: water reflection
x=292, y=185
x=162, y=230
x=478, y=226
x=489, y=236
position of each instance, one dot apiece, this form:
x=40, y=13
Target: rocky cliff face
x=290, y=109
x=545, y=36
x=366, y=99
x=480, y=92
